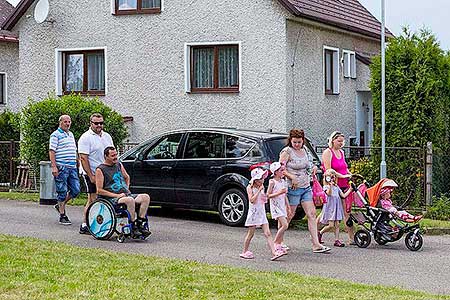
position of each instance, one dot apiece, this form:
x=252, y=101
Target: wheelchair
x=105, y=219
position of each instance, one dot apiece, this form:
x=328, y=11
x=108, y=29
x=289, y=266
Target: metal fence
x=9, y=160
x=441, y=177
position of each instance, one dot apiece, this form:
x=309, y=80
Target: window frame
x=139, y=10
x=189, y=76
x=334, y=70
x=60, y=75
x=349, y=64
x=4, y=91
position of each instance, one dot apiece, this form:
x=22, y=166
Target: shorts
x=299, y=195
x=90, y=187
x=67, y=181
x=115, y=201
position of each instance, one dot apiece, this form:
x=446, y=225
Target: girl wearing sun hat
x=256, y=216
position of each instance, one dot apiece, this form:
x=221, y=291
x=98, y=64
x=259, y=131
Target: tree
x=40, y=119
x=417, y=104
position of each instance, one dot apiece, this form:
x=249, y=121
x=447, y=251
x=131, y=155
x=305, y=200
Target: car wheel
x=233, y=206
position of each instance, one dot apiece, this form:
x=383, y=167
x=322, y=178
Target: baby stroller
x=379, y=223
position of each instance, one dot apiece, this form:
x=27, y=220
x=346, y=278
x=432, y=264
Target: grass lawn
x=36, y=269
x=299, y=224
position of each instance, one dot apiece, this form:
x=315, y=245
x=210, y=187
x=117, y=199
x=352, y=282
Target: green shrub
x=40, y=119
x=440, y=210
x=9, y=126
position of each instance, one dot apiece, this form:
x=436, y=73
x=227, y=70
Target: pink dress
x=256, y=215
x=278, y=203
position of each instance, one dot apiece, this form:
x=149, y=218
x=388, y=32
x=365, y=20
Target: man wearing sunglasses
x=91, y=146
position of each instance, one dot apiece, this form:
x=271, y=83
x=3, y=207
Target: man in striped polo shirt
x=63, y=157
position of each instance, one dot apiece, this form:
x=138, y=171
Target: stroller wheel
x=379, y=239
x=413, y=241
x=362, y=238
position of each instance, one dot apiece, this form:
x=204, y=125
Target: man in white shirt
x=91, y=146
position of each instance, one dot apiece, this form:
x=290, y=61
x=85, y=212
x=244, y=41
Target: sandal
x=324, y=249
x=277, y=255
x=338, y=243
x=247, y=255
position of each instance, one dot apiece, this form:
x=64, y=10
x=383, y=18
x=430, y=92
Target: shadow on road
x=185, y=214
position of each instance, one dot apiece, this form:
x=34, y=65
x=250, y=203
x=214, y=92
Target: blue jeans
x=67, y=181
x=299, y=195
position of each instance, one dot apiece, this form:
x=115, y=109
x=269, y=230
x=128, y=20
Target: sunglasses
x=97, y=123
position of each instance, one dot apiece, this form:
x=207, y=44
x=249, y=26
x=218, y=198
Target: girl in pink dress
x=256, y=216
x=333, y=158
x=279, y=204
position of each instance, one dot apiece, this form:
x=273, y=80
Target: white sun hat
x=275, y=166
x=258, y=173
x=389, y=183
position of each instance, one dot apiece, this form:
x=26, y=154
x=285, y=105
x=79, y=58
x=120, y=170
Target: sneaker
x=64, y=220
x=84, y=229
x=338, y=243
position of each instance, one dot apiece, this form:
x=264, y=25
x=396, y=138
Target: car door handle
x=215, y=168
x=166, y=168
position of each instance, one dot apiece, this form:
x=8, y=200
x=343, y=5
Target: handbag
x=319, y=196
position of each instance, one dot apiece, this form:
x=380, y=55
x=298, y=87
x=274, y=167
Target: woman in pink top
x=333, y=158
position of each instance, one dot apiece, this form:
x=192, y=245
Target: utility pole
x=383, y=96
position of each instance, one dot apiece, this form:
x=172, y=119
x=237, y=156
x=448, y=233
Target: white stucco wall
x=308, y=105
x=145, y=60
x=9, y=64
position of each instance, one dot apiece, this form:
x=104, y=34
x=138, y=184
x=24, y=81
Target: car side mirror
x=140, y=157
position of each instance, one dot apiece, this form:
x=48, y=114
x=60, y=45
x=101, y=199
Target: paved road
x=199, y=236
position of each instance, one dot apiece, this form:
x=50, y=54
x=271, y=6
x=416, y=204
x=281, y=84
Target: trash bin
x=47, y=191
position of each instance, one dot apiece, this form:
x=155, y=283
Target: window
x=83, y=72
x=127, y=7
x=331, y=70
x=239, y=146
x=204, y=145
x=213, y=68
x=349, y=64
x=2, y=88
x=165, y=148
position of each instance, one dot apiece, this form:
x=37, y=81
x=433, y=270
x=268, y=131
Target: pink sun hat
x=258, y=173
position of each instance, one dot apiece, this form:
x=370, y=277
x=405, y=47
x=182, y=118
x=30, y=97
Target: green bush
x=39, y=119
x=440, y=210
x=9, y=126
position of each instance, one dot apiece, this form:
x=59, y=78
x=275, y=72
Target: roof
x=345, y=14
x=6, y=10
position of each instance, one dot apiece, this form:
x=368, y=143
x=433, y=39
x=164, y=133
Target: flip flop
x=247, y=255
x=277, y=255
x=324, y=249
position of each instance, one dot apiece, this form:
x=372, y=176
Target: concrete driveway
x=200, y=237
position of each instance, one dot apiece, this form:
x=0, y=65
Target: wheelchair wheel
x=101, y=219
x=362, y=238
x=413, y=241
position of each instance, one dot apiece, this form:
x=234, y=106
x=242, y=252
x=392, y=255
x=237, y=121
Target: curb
x=436, y=231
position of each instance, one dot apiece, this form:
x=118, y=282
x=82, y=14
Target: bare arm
x=99, y=184
x=125, y=175
x=270, y=190
x=345, y=195
x=253, y=196
x=86, y=166
x=51, y=154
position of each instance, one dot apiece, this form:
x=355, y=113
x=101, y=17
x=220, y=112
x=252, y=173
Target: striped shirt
x=63, y=143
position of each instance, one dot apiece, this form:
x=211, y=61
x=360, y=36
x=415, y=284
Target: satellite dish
x=41, y=11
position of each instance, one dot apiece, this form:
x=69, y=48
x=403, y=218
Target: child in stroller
x=382, y=220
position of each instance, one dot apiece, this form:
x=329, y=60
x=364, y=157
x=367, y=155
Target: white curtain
x=96, y=72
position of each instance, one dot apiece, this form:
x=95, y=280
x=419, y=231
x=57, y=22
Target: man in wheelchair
x=112, y=182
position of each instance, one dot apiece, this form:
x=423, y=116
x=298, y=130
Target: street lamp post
x=383, y=100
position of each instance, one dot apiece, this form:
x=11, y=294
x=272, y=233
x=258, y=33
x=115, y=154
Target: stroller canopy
x=373, y=193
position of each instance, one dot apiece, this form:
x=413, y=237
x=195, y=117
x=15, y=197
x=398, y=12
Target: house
x=167, y=64
x=9, y=59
